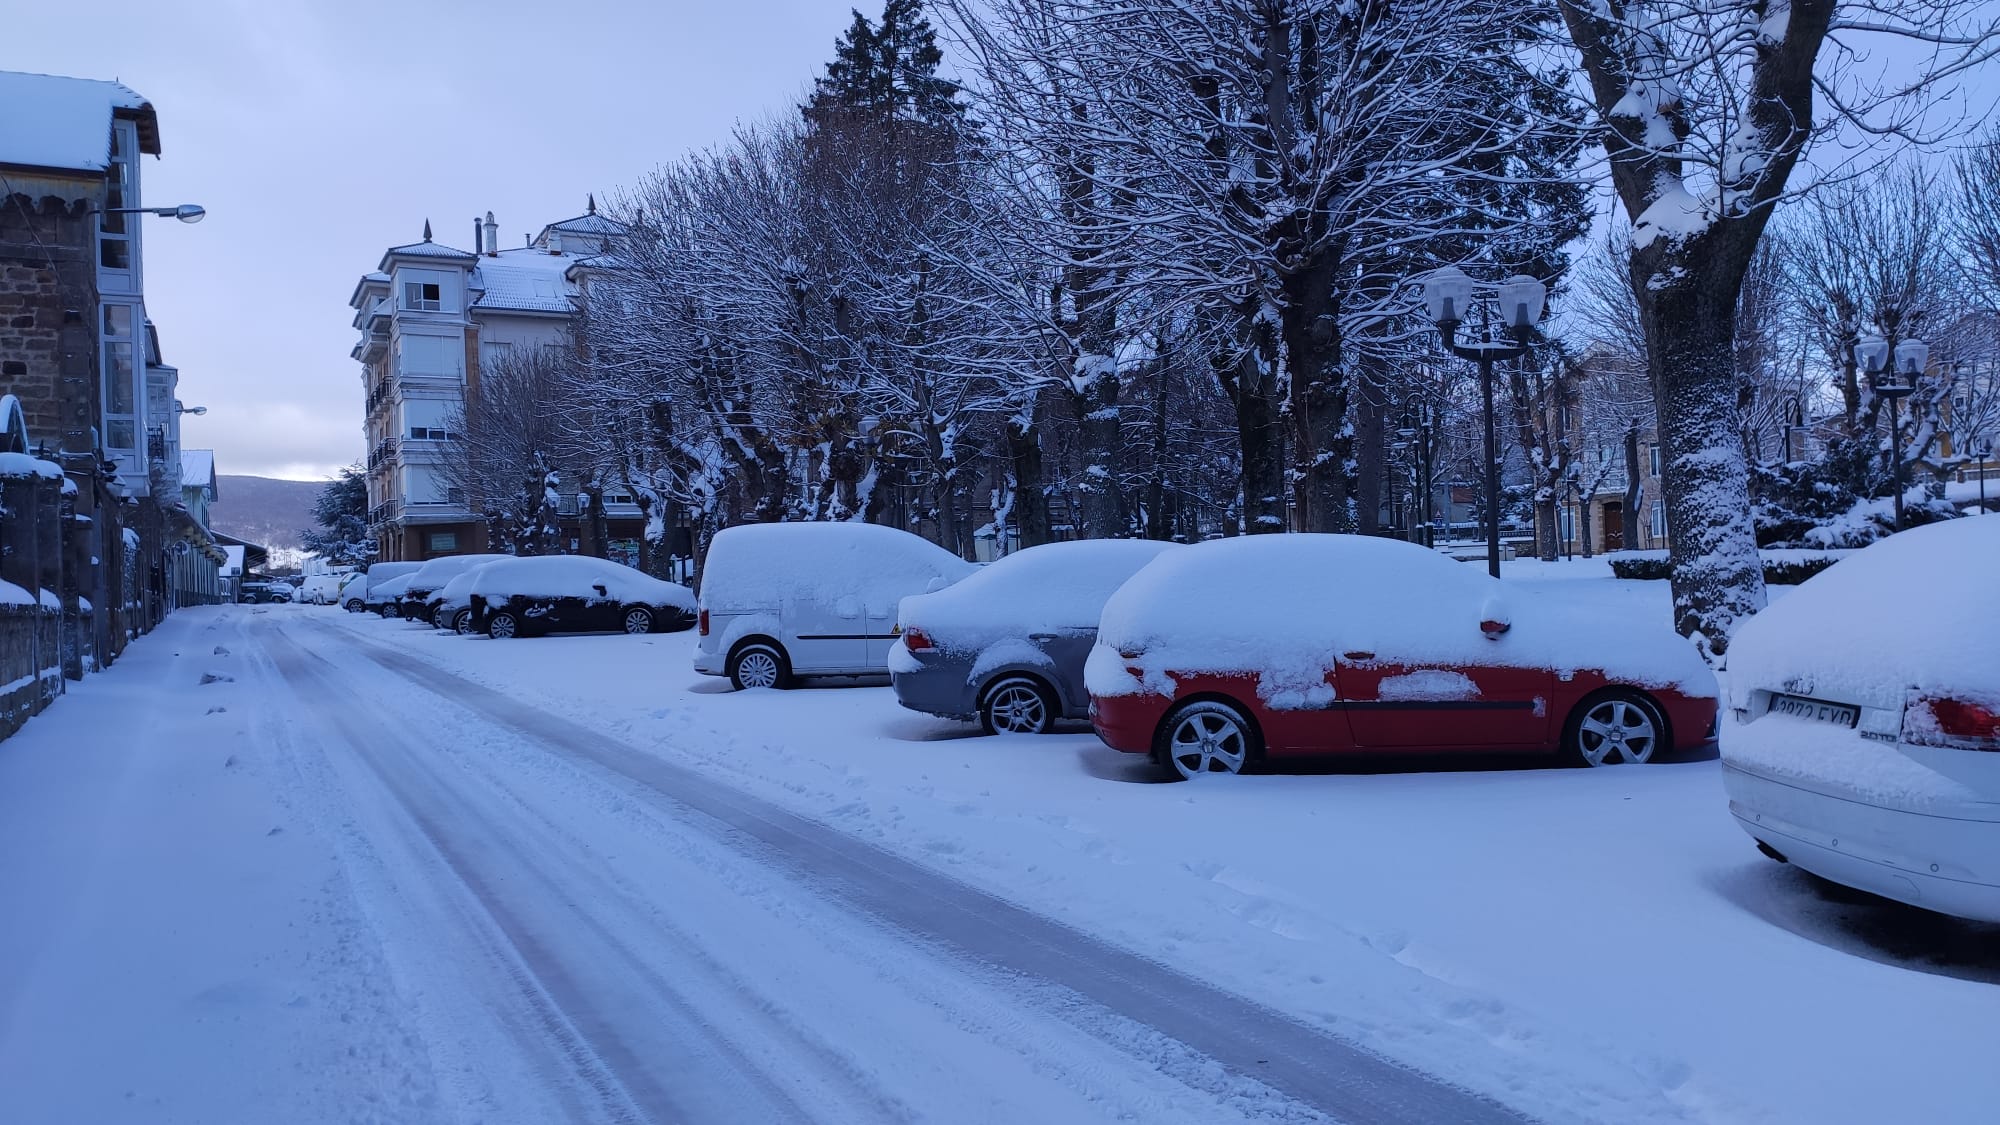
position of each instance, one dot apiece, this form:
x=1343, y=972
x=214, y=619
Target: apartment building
x=430, y=318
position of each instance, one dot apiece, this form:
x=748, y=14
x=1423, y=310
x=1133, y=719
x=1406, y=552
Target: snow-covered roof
x=525, y=279
x=591, y=223
x=198, y=467
x=424, y=249
x=355, y=299
x=47, y=121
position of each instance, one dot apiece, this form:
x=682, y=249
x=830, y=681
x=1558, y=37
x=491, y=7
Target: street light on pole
x=1894, y=383
x=185, y=212
x=1448, y=294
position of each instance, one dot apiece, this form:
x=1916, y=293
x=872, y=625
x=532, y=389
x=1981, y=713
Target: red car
x=1212, y=658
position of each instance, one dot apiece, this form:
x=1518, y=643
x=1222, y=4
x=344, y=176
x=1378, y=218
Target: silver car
x=1007, y=645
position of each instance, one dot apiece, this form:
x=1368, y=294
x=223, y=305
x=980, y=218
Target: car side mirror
x=1494, y=629
x=601, y=592
x=936, y=583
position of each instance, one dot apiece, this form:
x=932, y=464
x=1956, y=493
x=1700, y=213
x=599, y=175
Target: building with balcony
x=430, y=318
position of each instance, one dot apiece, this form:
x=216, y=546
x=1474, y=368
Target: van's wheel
x=502, y=626
x=1017, y=705
x=759, y=666
x=461, y=622
x=1208, y=736
x=1616, y=726
x=354, y=605
x=638, y=619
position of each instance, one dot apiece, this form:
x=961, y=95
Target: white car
x=325, y=589
x=780, y=600
x=365, y=590
x=1862, y=739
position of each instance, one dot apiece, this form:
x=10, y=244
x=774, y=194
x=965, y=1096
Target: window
x=424, y=296
x=1659, y=516
x=431, y=356
x=114, y=231
x=120, y=372
x=1653, y=458
x=454, y=496
x=1568, y=524
x=444, y=540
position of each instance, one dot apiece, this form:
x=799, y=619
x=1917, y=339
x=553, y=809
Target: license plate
x=1818, y=710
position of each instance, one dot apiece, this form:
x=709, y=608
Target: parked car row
x=1862, y=740
x=505, y=597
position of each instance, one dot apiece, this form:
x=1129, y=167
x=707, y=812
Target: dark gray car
x=1007, y=645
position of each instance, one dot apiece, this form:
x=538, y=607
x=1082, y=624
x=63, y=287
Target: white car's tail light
x=916, y=640
x=1958, y=724
x=702, y=622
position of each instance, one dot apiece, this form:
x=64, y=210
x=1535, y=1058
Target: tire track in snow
x=1326, y=1072
x=682, y=1068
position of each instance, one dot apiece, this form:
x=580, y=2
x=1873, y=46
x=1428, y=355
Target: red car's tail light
x=702, y=622
x=1955, y=723
x=916, y=640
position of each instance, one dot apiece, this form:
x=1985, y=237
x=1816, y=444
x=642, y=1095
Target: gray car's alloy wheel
x=502, y=626
x=1615, y=728
x=638, y=619
x=1016, y=705
x=758, y=666
x=461, y=622
x=1208, y=737
x=354, y=605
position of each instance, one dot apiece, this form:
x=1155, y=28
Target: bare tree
x=1707, y=107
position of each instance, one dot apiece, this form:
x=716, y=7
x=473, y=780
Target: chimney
x=491, y=242
x=555, y=242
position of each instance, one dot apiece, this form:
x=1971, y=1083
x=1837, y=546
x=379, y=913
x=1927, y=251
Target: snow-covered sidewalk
x=321, y=902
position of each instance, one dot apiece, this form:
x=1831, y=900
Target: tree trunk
x=1031, y=500
x=1322, y=446
x=1371, y=455
x=1548, y=531
x=1633, y=494
x=1098, y=428
x=1263, y=466
x=1717, y=579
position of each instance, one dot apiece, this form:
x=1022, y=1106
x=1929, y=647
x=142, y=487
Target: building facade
x=431, y=319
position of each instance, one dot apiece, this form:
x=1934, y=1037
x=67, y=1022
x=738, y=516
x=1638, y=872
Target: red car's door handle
x=1357, y=656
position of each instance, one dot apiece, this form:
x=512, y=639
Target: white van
x=780, y=600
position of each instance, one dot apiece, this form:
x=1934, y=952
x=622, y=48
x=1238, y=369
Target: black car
x=259, y=593
x=574, y=594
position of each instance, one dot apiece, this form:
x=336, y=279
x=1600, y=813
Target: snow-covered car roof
x=1286, y=605
x=1053, y=588
x=380, y=573
x=759, y=566
x=391, y=587
x=1916, y=611
x=437, y=572
x=573, y=576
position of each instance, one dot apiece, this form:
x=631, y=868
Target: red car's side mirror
x=1493, y=629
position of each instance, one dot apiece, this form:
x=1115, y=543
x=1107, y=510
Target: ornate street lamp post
x=1448, y=294
x=1895, y=384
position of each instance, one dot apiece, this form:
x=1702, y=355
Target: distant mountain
x=263, y=510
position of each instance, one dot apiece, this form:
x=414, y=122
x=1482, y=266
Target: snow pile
x=11, y=594
x=762, y=567
x=1286, y=606
x=1053, y=588
x=24, y=466
x=573, y=576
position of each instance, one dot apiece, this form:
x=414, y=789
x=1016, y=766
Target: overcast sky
x=319, y=134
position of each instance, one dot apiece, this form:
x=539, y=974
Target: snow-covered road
x=573, y=930
x=382, y=874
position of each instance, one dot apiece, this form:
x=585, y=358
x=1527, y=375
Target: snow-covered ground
x=368, y=890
